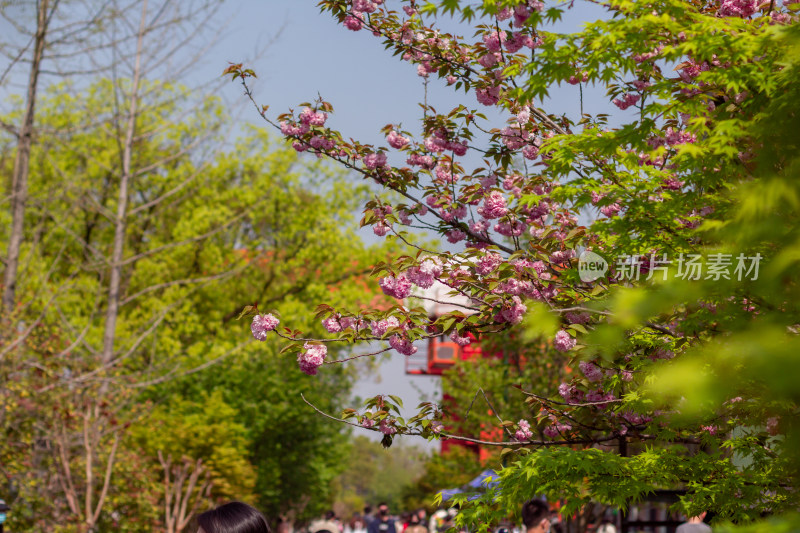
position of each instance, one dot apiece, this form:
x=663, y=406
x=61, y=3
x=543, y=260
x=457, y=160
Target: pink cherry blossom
x=380, y=228
x=354, y=22
x=530, y=151
x=596, y=197
x=591, y=371
x=396, y=140
x=375, y=160
x=626, y=101
x=610, y=210
x=386, y=428
x=289, y=129
x=510, y=229
x=524, y=431
x=366, y=6
x=556, y=430
x=517, y=41
x=504, y=14
x=561, y=256
x=515, y=137
x=455, y=235
x=397, y=287
x=379, y=328
x=402, y=345
x=488, y=263
x=494, y=206
x=332, y=324
x=461, y=341
x=564, y=342
x=312, y=118
x=458, y=148
x=262, y=324
x=494, y=40
x=437, y=142
x=322, y=143
x=600, y=396
x=424, y=161
x=312, y=357
x=521, y=14
x=577, y=318
x=512, y=312
x=489, y=60
x=488, y=96
x=426, y=273
x=738, y=8
x=772, y=425
x=570, y=393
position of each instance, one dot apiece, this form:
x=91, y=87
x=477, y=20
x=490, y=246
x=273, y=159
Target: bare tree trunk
x=19, y=191
x=178, y=492
x=112, y=311
x=92, y=439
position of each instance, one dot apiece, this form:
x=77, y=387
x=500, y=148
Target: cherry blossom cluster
x=563, y=341
x=263, y=324
x=523, y=432
x=738, y=8
x=557, y=429
x=312, y=357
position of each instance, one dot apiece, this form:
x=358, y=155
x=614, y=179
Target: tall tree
x=19, y=183
x=64, y=42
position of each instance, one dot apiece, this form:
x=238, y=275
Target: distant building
x=442, y=353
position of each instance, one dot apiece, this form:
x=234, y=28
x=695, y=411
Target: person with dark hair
x=695, y=524
x=536, y=516
x=233, y=517
x=368, y=518
x=415, y=525
x=383, y=523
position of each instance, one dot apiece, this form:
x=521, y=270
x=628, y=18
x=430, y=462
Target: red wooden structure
x=442, y=353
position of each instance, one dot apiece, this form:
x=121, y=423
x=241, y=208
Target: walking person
x=383, y=523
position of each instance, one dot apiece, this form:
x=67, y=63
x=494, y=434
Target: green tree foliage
x=208, y=232
x=487, y=384
x=373, y=475
x=202, y=428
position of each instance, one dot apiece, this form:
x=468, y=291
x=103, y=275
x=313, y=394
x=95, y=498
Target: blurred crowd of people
x=382, y=520
x=537, y=517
